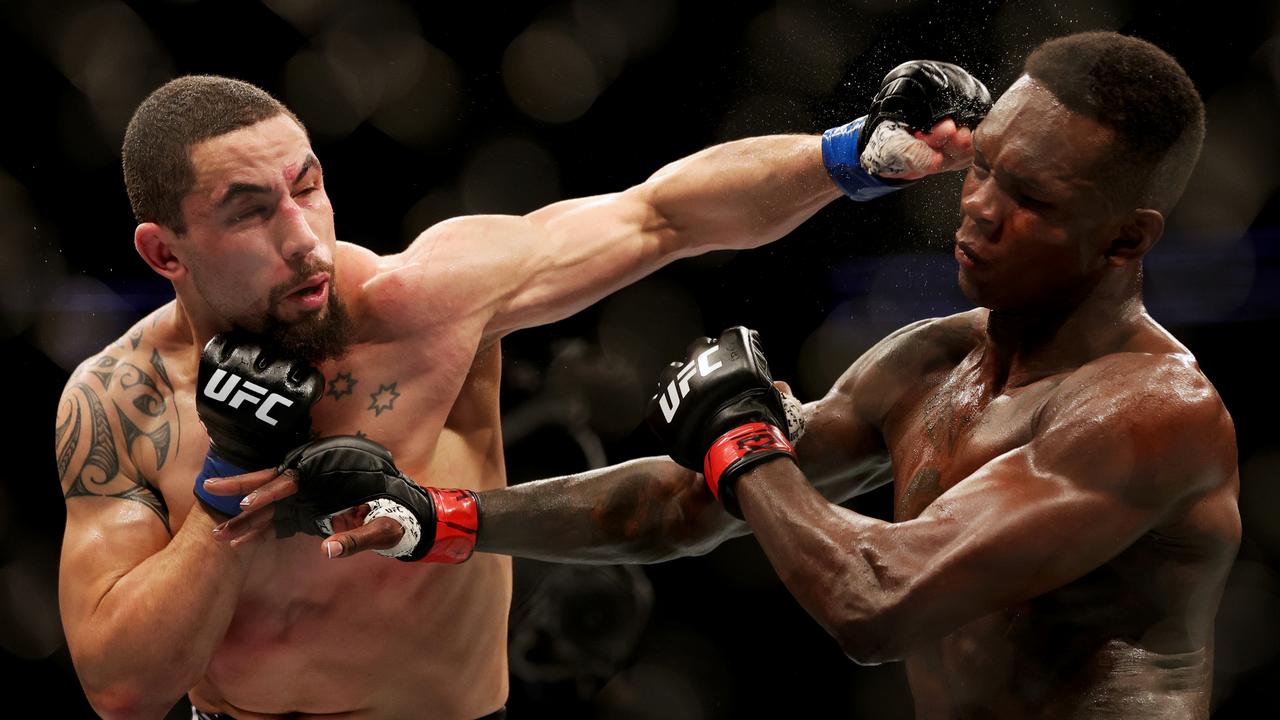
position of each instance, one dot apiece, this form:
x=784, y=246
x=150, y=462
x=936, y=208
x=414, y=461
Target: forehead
x=262, y=153
x=1030, y=128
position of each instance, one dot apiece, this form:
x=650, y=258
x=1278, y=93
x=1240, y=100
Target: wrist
x=216, y=467
x=203, y=527
x=457, y=523
x=737, y=450
x=841, y=155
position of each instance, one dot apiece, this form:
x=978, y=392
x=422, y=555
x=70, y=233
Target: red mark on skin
x=290, y=172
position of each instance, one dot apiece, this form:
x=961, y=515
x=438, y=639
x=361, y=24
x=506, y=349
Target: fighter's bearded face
x=1039, y=211
x=260, y=241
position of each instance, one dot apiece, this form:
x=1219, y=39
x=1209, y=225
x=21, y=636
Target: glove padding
x=860, y=155
x=338, y=473
x=255, y=405
x=718, y=412
x=920, y=93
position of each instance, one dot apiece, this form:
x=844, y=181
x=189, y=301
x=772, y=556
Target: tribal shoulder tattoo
x=117, y=426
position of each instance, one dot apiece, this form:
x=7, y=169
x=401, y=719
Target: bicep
x=513, y=272
x=115, y=519
x=843, y=453
x=1014, y=530
x=1029, y=521
x=573, y=253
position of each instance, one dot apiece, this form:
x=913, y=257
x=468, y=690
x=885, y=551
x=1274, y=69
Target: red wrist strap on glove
x=457, y=523
x=740, y=448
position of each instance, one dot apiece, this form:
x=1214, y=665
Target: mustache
x=315, y=266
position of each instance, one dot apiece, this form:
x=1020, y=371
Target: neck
x=194, y=325
x=1026, y=344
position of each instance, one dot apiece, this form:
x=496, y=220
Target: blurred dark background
x=425, y=111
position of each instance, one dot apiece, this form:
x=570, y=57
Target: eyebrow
x=310, y=162
x=237, y=190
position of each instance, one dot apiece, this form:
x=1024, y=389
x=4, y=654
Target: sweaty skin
x=155, y=606
x=1038, y=565
x=1065, y=477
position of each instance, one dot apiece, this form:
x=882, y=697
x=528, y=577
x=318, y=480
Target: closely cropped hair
x=1140, y=92
x=182, y=113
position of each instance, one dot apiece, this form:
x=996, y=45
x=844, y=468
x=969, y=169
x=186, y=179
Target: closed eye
x=249, y=214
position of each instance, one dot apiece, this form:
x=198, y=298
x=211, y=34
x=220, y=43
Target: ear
x=1139, y=233
x=155, y=243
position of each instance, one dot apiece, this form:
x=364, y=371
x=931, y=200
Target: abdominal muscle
x=369, y=636
x=363, y=636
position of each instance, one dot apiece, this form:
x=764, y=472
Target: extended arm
x=558, y=260
x=551, y=263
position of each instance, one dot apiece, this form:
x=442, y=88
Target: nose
x=297, y=238
x=983, y=202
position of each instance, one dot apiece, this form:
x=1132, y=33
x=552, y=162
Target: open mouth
x=313, y=294
x=310, y=290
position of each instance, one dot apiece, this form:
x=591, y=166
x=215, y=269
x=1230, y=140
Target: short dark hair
x=1140, y=92
x=179, y=114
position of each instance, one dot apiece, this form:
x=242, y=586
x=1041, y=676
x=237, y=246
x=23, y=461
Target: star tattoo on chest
x=341, y=385
x=384, y=399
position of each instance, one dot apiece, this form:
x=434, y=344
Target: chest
x=390, y=393
x=954, y=425
x=424, y=405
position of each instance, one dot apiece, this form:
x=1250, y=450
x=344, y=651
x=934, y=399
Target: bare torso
x=365, y=636
x=1132, y=638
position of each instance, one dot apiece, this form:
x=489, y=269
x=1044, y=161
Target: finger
x=248, y=536
x=961, y=142
x=783, y=387
x=239, y=484
x=940, y=134
x=244, y=525
x=380, y=534
x=277, y=489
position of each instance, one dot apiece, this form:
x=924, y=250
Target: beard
x=317, y=336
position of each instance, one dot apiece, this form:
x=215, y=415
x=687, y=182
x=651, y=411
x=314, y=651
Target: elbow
x=871, y=624
x=120, y=698
x=867, y=640
x=119, y=702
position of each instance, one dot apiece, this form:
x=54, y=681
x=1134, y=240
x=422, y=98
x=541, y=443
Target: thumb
x=380, y=534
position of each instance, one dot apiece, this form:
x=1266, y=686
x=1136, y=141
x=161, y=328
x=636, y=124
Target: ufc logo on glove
x=679, y=387
x=250, y=392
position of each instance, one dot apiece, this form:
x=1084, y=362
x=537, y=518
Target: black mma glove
x=718, y=412
x=916, y=95
x=338, y=473
x=255, y=405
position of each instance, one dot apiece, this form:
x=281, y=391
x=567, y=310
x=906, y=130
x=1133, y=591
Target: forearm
x=641, y=511
x=152, y=634
x=827, y=556
x=743, y=193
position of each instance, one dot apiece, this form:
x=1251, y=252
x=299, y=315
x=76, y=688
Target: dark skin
x=1065, y=493
x=1065, y=478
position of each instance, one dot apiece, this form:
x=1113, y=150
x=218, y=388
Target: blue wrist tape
x=840, y=155
x=215, y=466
